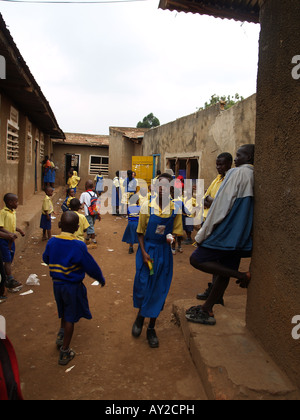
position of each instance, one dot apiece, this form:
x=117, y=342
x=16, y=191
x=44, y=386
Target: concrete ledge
x=231, y=363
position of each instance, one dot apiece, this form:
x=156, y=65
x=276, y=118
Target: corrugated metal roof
x=241, y=10
x=21, y=87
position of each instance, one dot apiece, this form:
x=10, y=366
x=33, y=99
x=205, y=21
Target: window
x=29, y=143
x=12, y=138
x=42, y=148
x=99, y=163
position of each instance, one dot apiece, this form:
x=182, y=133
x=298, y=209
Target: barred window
x=29, y=143
x=98, y=163
x=12, y=139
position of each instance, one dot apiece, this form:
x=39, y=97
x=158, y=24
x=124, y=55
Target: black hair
x=250, y=149
x=227, y=156
x=166, y=175
x=74, y=204
x=9, y=197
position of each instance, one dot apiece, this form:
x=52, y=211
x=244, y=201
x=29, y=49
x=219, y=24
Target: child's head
x=75, y=204
x=70, y=192
x=69, y=222
x=164, y=187
x=11, y=201
x=49, y=191
x=89, y=185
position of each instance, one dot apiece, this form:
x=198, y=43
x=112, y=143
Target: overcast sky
x=102, y=65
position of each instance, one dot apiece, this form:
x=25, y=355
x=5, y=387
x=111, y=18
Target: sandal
x=66, y=356
x=201, y=317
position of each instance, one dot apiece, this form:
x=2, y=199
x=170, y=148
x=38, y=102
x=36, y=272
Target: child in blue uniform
x=69, y=261
x=130, y=234
x=154, y=259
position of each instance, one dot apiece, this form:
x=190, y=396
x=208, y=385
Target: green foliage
x=149, y=122
x=229, y=99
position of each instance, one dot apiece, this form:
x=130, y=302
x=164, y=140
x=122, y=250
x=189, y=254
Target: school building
x=274, y=293
x=27, y=123
x=87, y=154
x=190, y=145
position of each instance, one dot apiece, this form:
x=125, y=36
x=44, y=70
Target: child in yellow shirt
x=47, y=210
x=75, y=206
x=8, y=225
x=73, y=181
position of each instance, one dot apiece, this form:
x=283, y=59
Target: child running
x=69, y=261
x=8, y=225
x=47, y=210
x=154, y=259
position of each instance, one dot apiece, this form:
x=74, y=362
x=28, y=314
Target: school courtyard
x=191, y=362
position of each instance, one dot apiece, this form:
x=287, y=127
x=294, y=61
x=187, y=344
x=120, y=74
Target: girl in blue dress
x=130, y=234
x=154, y=260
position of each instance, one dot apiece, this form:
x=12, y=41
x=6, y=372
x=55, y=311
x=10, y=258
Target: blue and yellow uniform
x=151, y=290
x=69, y=261
x=130, y=234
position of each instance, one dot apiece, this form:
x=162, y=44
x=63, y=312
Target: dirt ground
x=109, y=363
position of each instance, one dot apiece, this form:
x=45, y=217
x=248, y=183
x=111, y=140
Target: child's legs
x=8, y=269
x=91, y=229
x=68, y=333
x=219, y=287
x=49, y=233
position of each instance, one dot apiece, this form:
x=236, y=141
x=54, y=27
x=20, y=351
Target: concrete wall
x=204, y=135
x=274, y=293
x=121, y=150
x=20, y=177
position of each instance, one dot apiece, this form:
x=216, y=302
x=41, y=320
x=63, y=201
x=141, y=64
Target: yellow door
x=143, y=166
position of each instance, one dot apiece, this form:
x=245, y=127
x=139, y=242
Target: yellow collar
x=67, y=236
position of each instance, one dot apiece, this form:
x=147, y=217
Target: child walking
x=130, y=234
x=47, y=210
x=8, y=225
x=73, y=181
x=158, y=223
x=85, y=199
x=69, y=261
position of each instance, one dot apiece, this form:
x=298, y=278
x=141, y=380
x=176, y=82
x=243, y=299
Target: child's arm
x=21, y=232
x=146, y=257
x=7, y=235
x=91, y=268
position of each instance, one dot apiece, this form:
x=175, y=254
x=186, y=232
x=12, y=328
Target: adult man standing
x=226, y=235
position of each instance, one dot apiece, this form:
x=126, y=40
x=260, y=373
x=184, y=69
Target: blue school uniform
x=130, y=235
x=150, y=291
x=69, y=261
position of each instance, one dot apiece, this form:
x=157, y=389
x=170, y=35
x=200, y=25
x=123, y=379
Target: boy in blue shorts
x=69, y=261
x=8, y=225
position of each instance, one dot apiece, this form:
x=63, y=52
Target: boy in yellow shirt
x=47, y=210
x=75, y=206
x=8, y=225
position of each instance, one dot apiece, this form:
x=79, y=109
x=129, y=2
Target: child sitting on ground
x=47, y=210
x=8, y=225
x=69, y=261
